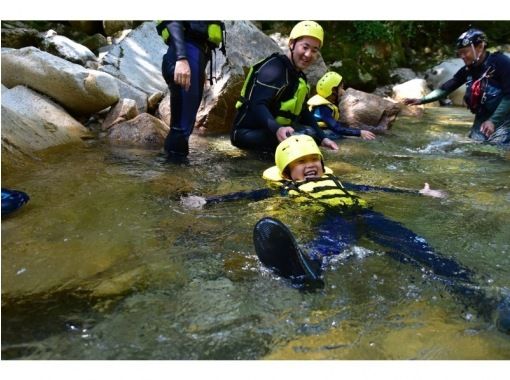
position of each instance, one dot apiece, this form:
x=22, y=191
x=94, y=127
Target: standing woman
x=189, y=48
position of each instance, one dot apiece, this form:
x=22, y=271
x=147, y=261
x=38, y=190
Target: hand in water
x=193, y=202
x=487, y=128
x=367, y=135
x=330, y=144
x=427, y=191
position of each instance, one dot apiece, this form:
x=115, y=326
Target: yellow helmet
x=307, y=28
x=292, y=148
x=327, y=83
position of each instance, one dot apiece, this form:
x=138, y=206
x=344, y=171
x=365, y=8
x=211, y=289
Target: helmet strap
x=477, y=56
x=292, y=52
x=474, y=54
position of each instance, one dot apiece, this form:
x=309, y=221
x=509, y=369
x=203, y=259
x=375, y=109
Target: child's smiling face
x=306, y=167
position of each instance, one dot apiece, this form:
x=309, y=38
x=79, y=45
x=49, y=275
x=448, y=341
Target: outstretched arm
x=252, y=195
x=427, y=191
x=431, y=97
x=194, y=201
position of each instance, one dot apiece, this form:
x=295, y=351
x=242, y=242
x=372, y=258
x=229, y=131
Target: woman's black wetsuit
x=185, y=42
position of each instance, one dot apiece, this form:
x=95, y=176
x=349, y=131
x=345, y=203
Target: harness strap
x=291, y=185
x=478, y=89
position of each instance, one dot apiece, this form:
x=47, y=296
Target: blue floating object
x=12, y=200
x=503, y=316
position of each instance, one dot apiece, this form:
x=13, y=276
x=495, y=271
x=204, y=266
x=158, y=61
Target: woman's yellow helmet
x=293, y=148
x=327, y=83
x=307, y=28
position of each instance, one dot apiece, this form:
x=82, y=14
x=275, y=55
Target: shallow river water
x=106, y=262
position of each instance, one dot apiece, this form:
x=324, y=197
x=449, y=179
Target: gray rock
x=136, y=60
x=32, y=122
x=66, y=48
x=124, y=110
x=78, y=89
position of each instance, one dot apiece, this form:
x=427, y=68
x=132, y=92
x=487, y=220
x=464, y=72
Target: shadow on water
x=105, y=262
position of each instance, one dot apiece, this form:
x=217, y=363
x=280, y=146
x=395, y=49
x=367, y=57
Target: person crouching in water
x=487, y=79
x=324, y=106
x=272, y=105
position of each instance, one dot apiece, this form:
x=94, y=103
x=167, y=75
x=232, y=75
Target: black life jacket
x=483, y=95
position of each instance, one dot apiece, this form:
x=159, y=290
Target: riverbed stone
x=144, y=130
x=124, y=110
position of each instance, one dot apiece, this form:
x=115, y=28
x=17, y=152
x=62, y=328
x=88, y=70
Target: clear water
x=105, y=262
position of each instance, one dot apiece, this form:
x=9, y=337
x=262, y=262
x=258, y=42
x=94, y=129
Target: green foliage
x=371, y=31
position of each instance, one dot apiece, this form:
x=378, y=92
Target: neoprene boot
x=176, y=145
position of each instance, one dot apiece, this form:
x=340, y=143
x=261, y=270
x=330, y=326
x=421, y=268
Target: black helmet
x=471, y=36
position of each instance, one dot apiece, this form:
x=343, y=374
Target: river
x=107, y=262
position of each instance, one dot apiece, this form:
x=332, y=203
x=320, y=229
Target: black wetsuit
x=335, y=129
x=188, y=40
x=255, y=124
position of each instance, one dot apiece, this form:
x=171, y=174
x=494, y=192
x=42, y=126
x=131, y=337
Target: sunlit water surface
x=105, y=261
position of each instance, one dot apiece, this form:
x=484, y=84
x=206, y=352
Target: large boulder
x=439, y=74
x=79, y=90
x=127, y=91
x=32, y=122
x=358, y=109
x=137, y=59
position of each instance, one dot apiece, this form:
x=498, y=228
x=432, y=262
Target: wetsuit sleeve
x=326, y=115
x=307, y=118
x=176, y=29
x=266, y=88
x=502, y=75
x=502, y=112
x=433, y=96
x=367, y=188
x=252, y=195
